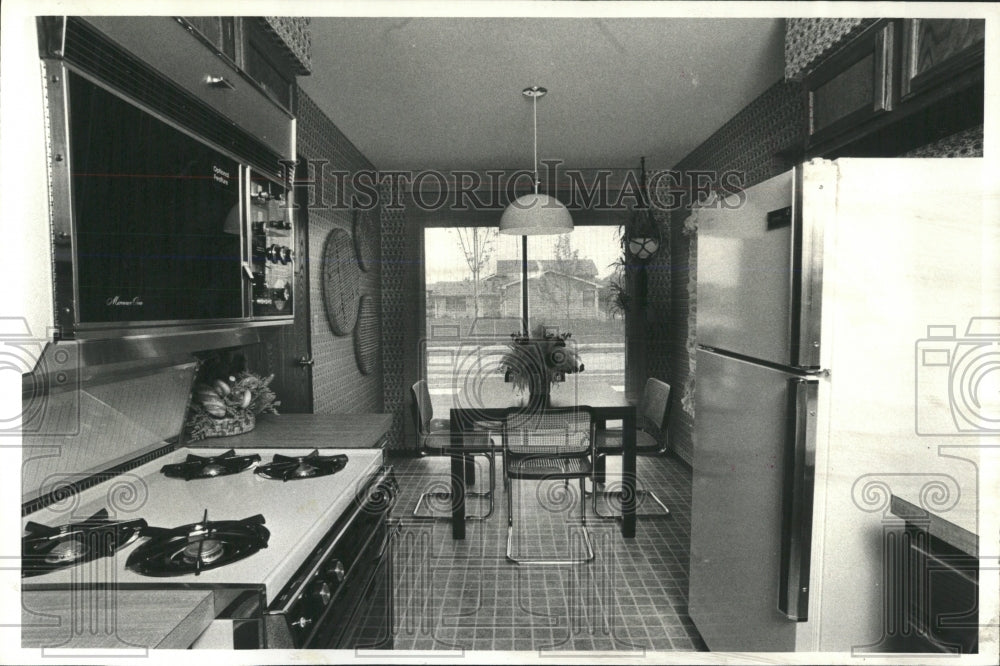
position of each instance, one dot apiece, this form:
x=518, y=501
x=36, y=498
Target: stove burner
x=201, y=467
x=45, y=549
x=65, y=551
x=205, y=551
x=197, y=547
x=288, y=468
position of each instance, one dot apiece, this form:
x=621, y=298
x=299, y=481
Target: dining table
x=489, y=399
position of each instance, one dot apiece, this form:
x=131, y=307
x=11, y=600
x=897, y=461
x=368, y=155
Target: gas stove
x=227, y=526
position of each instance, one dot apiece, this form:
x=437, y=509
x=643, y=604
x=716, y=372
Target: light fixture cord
x=534, y=113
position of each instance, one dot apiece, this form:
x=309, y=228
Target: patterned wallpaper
x=292, y=34
x=338, y=384
x=395, y=258
x=967, y=143
x=809, y=40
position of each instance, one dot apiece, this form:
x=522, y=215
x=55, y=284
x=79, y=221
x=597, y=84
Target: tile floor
x=465, y=595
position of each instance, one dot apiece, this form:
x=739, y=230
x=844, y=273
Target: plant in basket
x=535, y=360
x=228, y=405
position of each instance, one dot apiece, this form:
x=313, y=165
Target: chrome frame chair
x=434, y=436
x=548, y=444
x=651, y=419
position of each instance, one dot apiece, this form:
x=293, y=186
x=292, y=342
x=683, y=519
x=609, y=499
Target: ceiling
x=420, y=93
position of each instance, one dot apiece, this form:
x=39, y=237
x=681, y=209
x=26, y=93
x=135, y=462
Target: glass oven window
x=156, y=215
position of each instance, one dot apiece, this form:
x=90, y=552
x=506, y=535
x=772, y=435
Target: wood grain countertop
x=300, y=431
x=94, y=618
x=957, y=529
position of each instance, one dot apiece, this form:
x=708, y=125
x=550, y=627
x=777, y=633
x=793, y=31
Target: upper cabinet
x=896, y=84
x=935, y=50
x=270, y=51
x=853, y=86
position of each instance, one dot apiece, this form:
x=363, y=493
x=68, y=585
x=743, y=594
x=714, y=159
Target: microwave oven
x=169, y=203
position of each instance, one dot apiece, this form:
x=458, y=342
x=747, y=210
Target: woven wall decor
x=341, y=282
x=366, y=335
x=364, y=237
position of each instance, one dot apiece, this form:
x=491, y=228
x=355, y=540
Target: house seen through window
x=473, y=281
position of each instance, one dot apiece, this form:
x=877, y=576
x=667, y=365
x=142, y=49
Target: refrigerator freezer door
x=738, y=505
x=760, y=267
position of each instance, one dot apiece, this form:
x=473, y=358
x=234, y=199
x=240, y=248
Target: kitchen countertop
x=298, y=431
x=135, y=618
x=955, y=527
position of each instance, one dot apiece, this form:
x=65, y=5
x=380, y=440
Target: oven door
x=370, y=626
x=364, y=617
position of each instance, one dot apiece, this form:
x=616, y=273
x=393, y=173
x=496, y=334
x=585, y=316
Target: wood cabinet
x=853, y=86
x=247, y=44
x=899, y=84
x=934, y=587
x=934, y=50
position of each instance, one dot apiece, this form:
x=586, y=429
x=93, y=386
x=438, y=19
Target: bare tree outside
x=566, y=262
x=478, y=245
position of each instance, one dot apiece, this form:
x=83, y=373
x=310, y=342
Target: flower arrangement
x=535, y=360
x=221, y=408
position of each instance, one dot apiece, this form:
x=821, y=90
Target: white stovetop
x=297, y=514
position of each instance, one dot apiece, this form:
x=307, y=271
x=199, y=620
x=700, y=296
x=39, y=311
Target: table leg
x=470, y=471
x=628, y=475
x=600, y=469
x=458, y=497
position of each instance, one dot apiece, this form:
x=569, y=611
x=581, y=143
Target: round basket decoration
x=366, y=335
x=227, y=427
x=341, y=282
x=364, y=237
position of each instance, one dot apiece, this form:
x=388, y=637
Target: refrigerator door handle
x=806, y=288
x=797, y=499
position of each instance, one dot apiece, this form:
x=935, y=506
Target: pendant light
x=535, y=214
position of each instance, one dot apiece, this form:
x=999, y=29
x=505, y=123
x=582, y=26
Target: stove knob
x=322, y=592
x=302, y=622
x=337, y=570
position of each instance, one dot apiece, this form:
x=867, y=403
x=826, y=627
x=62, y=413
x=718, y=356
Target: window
x=480, y=271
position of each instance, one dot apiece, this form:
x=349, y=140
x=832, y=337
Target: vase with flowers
x=534, y=360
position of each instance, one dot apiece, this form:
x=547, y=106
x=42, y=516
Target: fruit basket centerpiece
x=534, y=360
x=229, y=405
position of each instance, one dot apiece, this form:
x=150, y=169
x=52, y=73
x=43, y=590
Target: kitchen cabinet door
x=853, y=86
x=936, y=50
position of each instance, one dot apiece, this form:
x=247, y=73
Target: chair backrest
x=654, y=405
x=564, y=432
x=423, y=411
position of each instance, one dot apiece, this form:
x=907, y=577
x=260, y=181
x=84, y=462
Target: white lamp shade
x=534, y=215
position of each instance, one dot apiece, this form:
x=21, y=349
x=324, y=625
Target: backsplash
x=101, y=424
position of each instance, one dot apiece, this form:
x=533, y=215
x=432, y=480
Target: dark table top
x=493, y=393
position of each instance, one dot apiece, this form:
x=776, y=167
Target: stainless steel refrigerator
x=814, y=290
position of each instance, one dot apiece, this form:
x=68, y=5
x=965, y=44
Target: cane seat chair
x=547, y=444
x=651, y=424
x=434, y=437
